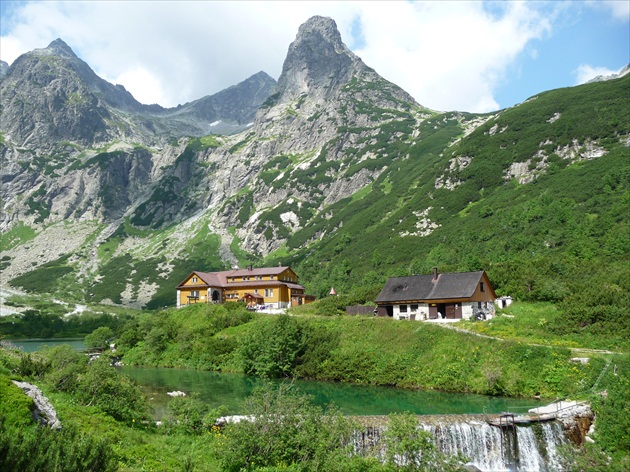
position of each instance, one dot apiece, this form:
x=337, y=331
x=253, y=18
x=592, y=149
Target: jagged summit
x=317, y=61
x=60, y=48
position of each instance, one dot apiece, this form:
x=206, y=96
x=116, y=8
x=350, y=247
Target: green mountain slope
x=344, y=176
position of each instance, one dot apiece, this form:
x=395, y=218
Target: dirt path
x=573, y=349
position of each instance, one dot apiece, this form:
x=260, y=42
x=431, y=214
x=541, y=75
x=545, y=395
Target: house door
x=437, y=311
x=385, y=310
x=453, y=311
x=216, y=296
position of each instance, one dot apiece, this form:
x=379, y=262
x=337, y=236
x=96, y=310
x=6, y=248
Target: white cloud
x=620, y=9
x=448, y=55
x=585, y=72
x=142, y=84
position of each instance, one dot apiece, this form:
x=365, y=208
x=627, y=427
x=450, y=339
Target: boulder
x=44, y=413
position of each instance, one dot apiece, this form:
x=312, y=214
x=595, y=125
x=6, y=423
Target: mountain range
x=332, y=169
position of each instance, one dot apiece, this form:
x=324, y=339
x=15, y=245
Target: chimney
x=435, y=274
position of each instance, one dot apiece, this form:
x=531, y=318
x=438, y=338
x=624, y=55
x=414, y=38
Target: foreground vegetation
x=107, y=421
x=107, y=427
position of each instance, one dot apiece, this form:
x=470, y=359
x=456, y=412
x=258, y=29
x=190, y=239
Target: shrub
x=113, y=393
x=273, y=350
x=37, y=449
x=288, y=432
x=409, y=447
x=99, y=338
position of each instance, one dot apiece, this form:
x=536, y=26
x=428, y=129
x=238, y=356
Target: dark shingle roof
x=422, y=287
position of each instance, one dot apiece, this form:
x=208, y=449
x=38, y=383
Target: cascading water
x=489, y=448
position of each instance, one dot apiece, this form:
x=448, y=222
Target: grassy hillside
x=352, y=349
x=537, y=196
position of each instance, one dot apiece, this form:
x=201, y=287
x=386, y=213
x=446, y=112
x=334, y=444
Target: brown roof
x=423, y=287
x=258, y=271
x=261, y=283
x=220, y=279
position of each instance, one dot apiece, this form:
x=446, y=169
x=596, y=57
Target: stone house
x=436, y=296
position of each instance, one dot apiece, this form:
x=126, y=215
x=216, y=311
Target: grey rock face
x=51, y=95
x=4, y=68
x=317, y=62
x=98, y=157
x=44, y=413
x=225, y=112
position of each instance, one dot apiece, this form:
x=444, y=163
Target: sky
x=475, y=56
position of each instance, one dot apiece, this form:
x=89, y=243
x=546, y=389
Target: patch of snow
x=214, y=123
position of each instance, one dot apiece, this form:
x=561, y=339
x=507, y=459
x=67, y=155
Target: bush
x=65, y=366
x=189, y=415
x=288, y=431
x=273, y=350
x=115, y=394
x=15, y=407
x=99, y=338
x=36, y=449
x=409, y=447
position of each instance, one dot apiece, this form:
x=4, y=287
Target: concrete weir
x=495, y=442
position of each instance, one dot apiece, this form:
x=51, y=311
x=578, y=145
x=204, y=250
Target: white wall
x=421, y=313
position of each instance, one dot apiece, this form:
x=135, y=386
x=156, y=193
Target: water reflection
x=231, y=390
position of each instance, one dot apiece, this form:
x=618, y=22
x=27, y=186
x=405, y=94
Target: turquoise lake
x=231, y=390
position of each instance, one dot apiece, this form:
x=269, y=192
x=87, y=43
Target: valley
x=108, y=204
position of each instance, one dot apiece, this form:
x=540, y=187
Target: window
x=232, y=279
x=271, y=277
x=481, y=287
x=403, y=308
x=194, y=280
x=268, y=292
x=194, y=294
x=414, y=308
x=256, y=290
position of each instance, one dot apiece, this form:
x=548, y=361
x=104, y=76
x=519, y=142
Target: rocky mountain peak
x=317, y=61
x=60, y=48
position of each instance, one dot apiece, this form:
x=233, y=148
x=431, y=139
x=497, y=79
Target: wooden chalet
x=272, y=287
x=436, y=296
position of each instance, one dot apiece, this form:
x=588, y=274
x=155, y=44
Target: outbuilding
x=437, y=297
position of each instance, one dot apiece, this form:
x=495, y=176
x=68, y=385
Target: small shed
x=252, y=300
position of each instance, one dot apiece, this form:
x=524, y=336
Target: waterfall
x=489, y=448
